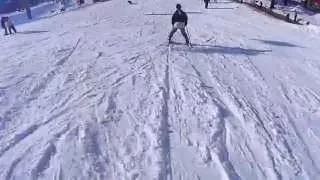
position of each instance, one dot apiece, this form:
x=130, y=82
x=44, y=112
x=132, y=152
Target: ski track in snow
x=100, y=96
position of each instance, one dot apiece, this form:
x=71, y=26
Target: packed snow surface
x=97, y=93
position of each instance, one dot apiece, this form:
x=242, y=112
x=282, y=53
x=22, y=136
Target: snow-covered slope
x=96, y=93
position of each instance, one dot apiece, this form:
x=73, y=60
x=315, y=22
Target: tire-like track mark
x=218, y=135
x=165, y=137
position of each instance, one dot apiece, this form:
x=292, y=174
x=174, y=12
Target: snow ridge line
x=166, y=170
x=14, y=164
x=19, y=137
x=44, y=161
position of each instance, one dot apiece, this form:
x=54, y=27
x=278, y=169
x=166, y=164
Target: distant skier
x=179, y=21
x=28, y=10
x=80, y=2
x=3, y=20
x=206, y=3
x=7, y=25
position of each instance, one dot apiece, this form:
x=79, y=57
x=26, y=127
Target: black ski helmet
x=178, y=6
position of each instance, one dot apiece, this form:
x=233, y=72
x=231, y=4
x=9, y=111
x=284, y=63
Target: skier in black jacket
x=179, y=21
x=7, y=25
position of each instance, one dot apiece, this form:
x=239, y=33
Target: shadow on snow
x=32, y=32
x=210, y=49
x=222, y=2
x=220, y=8
x=169, y=14
x=277, y=43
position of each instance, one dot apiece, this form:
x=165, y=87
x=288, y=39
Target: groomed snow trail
x=97, y=93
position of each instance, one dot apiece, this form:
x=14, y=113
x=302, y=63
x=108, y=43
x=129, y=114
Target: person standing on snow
x=179, y=21
x=80, y=2
x=7, y=24
x=206, y=3
x=3, y=20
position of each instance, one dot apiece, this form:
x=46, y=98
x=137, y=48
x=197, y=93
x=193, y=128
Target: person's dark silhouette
x=206, y=3
x=7, y=25
x=179, y=21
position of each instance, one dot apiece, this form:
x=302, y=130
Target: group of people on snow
x=7, y=25
x=179, y=21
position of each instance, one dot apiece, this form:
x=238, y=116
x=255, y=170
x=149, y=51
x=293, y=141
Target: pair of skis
x=178, y=43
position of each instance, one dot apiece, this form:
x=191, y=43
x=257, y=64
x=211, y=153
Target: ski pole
x=188, y=35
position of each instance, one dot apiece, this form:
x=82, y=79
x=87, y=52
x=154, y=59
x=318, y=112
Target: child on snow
x=7, y=25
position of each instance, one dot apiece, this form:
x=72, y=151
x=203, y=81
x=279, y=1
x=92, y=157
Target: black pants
x=206, y=4
x=12, y=28
x=183, y=32
x=5, y=31
x=9, y=29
